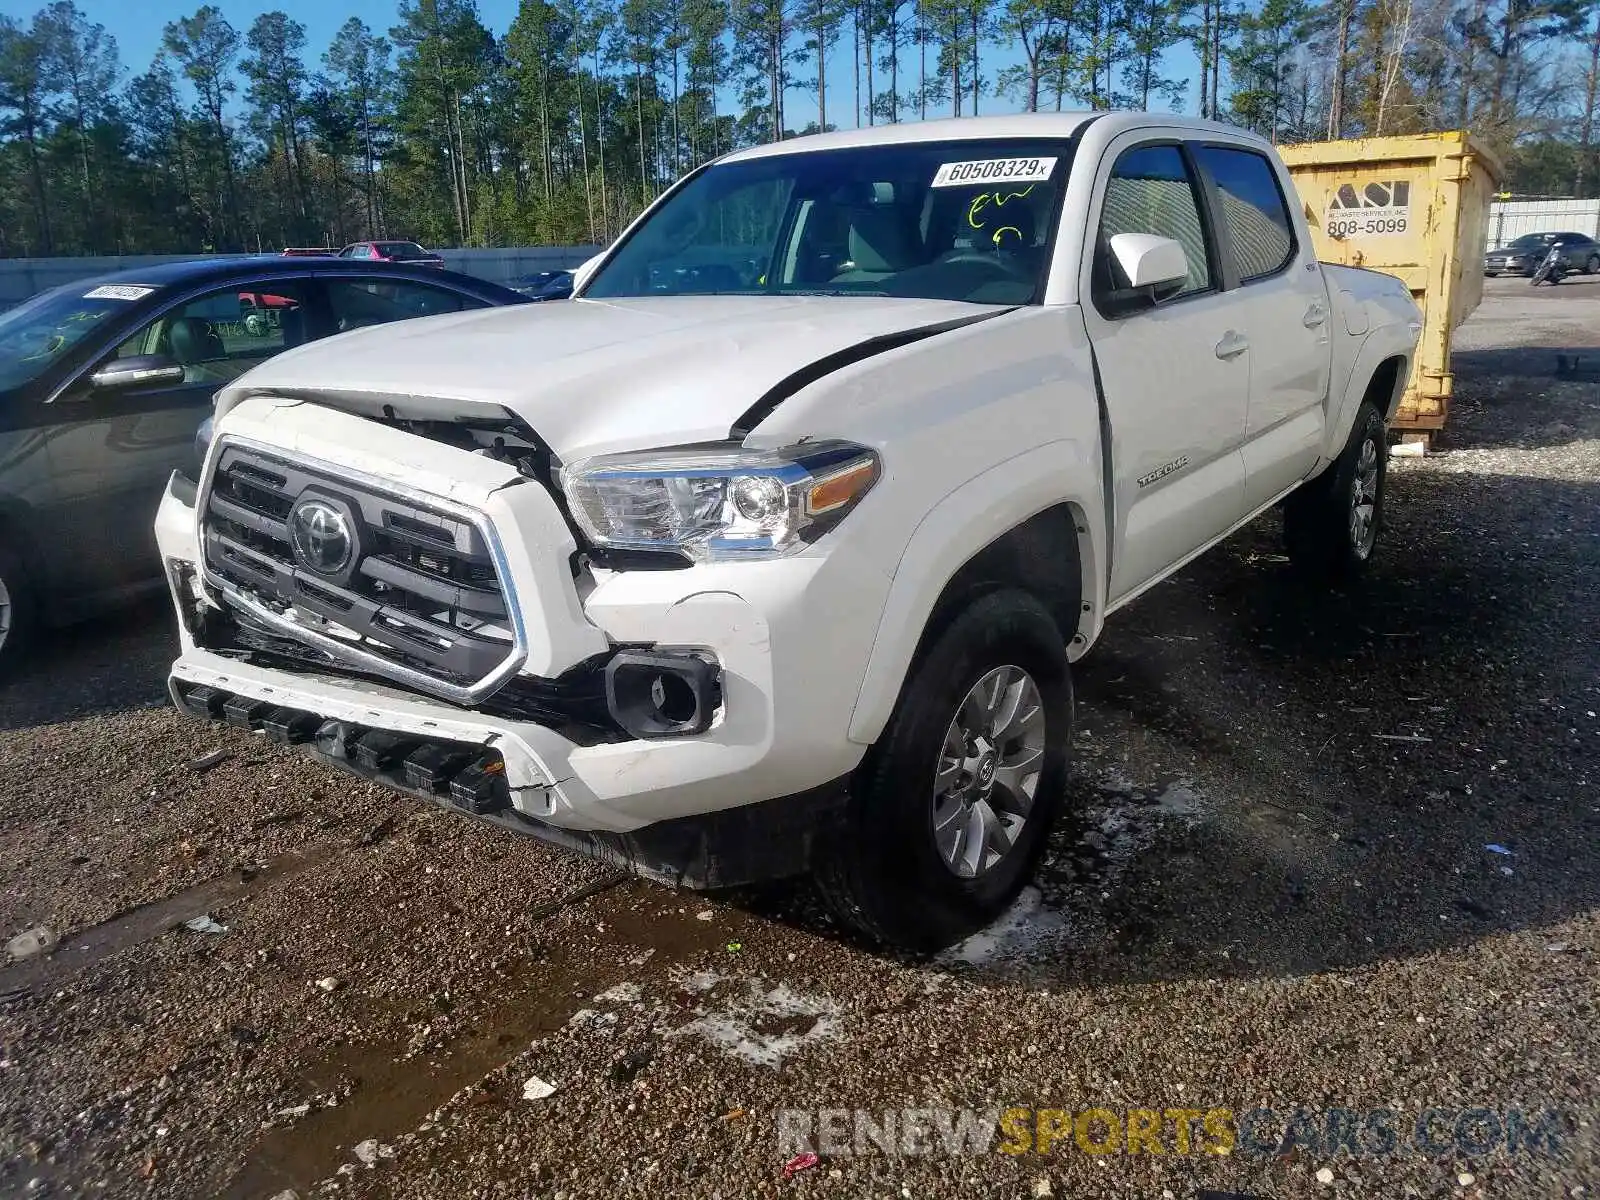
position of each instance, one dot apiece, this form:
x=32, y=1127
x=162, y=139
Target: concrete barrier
x=22, y=277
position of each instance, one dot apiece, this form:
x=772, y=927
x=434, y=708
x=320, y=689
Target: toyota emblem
x=320, y=535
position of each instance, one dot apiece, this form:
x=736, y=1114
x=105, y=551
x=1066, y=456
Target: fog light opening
x=672, y=698
x=663, y=693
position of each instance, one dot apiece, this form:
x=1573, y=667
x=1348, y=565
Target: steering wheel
x=979, y=258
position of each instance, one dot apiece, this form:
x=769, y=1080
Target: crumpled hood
x=593, y=376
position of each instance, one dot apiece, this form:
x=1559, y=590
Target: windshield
x=402, y=250
x=1532, y=241
x=957, y=220
x=40, y=332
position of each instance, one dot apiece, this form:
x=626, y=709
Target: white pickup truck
x=770, y=551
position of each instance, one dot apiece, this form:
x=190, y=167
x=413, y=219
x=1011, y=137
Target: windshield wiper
x=830, y=292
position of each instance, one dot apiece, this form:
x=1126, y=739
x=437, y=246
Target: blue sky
x=137, y=26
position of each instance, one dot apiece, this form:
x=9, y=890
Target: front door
x=112, y=451
x=1176, y=377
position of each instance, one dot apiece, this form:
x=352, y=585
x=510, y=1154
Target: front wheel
x=951, y=810
x=1331, y=524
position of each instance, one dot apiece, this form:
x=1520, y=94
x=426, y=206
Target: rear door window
x=356, y=303
x=1255, y=215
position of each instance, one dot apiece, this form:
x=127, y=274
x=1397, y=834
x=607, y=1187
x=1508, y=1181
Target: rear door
x=1284, y=313
x=1176, y=377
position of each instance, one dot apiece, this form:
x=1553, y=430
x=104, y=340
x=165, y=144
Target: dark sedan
x=104, y=383
x=545, y=285
x=1523, y=255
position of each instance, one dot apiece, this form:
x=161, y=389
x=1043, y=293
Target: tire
x=18, y=612
x=1326, y=540
x=885, y=870
x=1592, y=267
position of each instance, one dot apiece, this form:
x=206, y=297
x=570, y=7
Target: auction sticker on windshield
x=1377, y=209
x=118, y=291
x=994, y=170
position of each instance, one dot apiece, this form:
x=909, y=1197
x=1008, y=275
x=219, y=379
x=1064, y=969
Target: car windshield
x=40, y=331
x=401, y=250
x=954, y=220
x=1531, y=241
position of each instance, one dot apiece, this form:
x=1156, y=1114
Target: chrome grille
x=419, y=597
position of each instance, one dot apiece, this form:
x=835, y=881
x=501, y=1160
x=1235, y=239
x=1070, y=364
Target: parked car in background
x=396, y=252
x=1522, y=256
x=545, y=285
x=105, y=382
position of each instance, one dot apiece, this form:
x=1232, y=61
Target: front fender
x=958, y=527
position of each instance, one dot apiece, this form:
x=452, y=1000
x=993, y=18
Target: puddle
x=149, y=921
x=1025, y=930
x=763, y=1027
x=383, y=1095
x=1120, y=821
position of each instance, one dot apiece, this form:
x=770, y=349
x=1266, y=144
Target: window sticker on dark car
x=118, y=291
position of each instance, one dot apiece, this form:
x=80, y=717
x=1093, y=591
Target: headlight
x=718, y=502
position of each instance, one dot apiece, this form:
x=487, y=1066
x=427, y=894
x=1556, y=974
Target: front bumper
x=1518, y=267
x=791, y=637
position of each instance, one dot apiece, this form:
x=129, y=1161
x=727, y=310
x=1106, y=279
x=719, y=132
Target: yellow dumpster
x=1417, y=208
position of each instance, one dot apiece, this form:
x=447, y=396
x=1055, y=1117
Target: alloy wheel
x=988, y=771
x=1364, y=500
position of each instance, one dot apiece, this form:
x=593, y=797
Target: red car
x=406, y=252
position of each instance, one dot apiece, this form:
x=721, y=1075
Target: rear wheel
x=951, y=811
x=1592, y=267
x=17, y=612
x=1331, y=524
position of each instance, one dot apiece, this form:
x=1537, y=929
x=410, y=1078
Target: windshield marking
x=1004, y=170
x=118, y=291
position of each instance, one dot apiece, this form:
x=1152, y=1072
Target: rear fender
x=1380, y=346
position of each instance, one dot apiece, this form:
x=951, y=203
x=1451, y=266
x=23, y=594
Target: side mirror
x=139, y=370
x=1151, y=264
x=580, y=275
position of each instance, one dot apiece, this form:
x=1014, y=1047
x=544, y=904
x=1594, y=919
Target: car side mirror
x=138, y=370
x=580, y=275
x=1154, y=268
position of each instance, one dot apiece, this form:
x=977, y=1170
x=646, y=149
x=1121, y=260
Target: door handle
x=1315, y=315
x=1232, y=345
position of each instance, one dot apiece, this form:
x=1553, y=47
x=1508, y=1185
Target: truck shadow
x=1372, y=772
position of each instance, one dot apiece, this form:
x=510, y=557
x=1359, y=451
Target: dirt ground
x=1331, y=852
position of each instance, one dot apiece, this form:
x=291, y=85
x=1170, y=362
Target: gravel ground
x=1277, y=893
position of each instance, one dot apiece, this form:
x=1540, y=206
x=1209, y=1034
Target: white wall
x=1512, y=218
